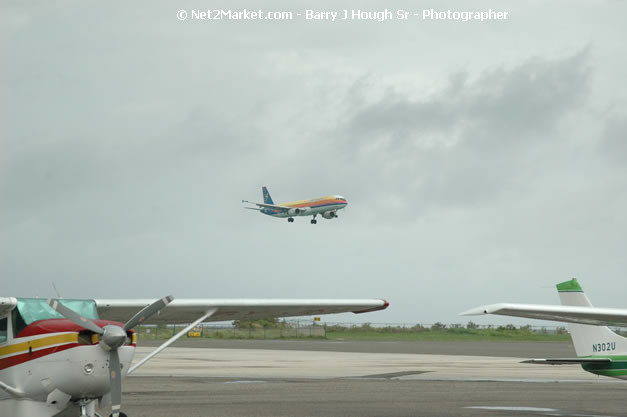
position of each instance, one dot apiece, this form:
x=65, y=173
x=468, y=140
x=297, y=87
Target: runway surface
x=241, y=380
x=471, y=348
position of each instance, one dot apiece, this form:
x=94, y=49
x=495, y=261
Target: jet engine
x=329, y=214
x=294, y=211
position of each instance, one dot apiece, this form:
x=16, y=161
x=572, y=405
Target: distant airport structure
x=327, y=207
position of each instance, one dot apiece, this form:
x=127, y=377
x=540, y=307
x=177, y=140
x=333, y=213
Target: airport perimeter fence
x=226, y=331
x=297, y=329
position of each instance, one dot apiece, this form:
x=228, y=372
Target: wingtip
x=385, y=305
x=476, y=311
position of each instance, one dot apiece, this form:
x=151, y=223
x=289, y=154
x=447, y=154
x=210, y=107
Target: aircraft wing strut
x=196, y=311
x=11, y=390
x=172, y=340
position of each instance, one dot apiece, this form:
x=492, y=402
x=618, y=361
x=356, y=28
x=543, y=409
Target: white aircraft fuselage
x=59, y=359
x=326, y=206
x=45, y=372
x=329, y=204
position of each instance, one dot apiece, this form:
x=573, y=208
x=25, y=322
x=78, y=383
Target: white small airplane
x=599, y=349
x=66, y=358
x=327, y=207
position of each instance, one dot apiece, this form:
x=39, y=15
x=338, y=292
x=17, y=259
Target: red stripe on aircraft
x=59, y=326
x=29, y=356
x=316, y=203
x=381, y=307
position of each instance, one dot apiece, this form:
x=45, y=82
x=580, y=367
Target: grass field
x=507, y=333
x=450, y=335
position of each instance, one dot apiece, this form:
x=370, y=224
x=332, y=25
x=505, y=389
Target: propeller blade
x=74, y=317
x=115, y=380
x=147, y=312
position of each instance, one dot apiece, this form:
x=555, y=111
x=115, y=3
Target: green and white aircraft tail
x=589, y=340
x=599, y=349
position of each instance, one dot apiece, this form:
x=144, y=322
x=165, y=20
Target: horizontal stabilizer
x=569, y=361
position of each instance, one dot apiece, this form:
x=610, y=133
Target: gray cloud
x=463, y=144
x=614, y=139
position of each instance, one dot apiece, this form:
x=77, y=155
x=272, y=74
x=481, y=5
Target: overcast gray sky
x=482, y=161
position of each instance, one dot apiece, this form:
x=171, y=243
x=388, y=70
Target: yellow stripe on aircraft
x=39, y=343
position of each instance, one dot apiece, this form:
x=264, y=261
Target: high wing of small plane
x=327, y=207
x=189, y=310
x=599, y=349
x=64, y=357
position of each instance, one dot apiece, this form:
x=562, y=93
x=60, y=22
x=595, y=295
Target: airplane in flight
x=327, y=207
x=599, y=350
x=69, y=357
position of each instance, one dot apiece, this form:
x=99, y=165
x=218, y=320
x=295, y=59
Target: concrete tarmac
x=244, y=381
x=469, y=348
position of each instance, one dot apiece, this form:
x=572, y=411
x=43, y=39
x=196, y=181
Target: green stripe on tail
x=569, y=286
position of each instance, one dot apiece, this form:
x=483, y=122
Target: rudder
x=266, y=196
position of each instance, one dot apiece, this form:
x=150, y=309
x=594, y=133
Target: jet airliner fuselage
x=327, y=207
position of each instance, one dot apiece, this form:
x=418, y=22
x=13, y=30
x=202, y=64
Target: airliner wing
x=570, y=314
x=271, y=206
x=189, y=310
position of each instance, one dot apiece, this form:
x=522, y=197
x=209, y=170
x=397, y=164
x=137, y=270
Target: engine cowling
x=294, y=211
x=329, y=214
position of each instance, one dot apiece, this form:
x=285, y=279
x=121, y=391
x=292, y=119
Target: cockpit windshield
x=34, y=309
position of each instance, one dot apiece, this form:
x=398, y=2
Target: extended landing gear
x=290, y=219
x=88, y=408
x=314, y=221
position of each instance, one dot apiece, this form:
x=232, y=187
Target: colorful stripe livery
x=330, y=203
x=327, y=207
x=330, y=200
x=36, y=347
x=46, y=337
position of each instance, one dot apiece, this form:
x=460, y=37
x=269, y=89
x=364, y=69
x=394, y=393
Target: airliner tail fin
x=266, y=196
